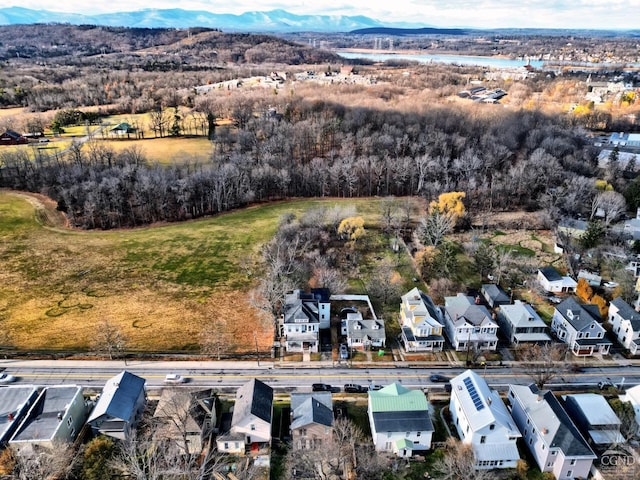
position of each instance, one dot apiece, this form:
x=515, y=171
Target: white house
x=551, y=280
x=304, y=314
x=632, y=395
x=365, y=334
x=251, y=421
x=468, y=324
x=625, y=323
x=483, y=421
x=421, y=322
x=520, y=323
x=399, y=420
x=549, y=433
x=579, y=327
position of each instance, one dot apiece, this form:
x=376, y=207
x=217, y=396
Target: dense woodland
x=400, y=137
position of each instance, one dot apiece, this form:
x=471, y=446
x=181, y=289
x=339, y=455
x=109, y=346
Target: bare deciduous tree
x=543, y=362
x=109, y=339
x=608, y=205
x=458, y=462
x=45, y=464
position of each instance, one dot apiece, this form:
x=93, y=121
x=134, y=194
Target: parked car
x=174, y=378
x=353, y=388
x=610, y=284
x=321, y=387
x=605, y=384
x=439, y=378
x=344, y=351
x=6, y=378
x=374, y=387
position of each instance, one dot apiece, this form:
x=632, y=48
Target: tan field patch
x=168, y=149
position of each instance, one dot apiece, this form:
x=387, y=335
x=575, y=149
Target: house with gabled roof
x=251, y=420
x=520, y=323
x=595, y=418
x=579, y=326
x=549, y=433
x=468, y=324
x=494, y=295
x=15, y=402
x=11, y=137
x=56, y=417
x=119, y=407
x=400, y=420
x=625, y=324
x=311, y=420
x=186, y=418
x=303, y=315
x=422, y=323
x=365, y=334
x=551, y=281
x=483, y=421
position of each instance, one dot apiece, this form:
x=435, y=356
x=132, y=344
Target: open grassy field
x=168, y=150
x=161, y=285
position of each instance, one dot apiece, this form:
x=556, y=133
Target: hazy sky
x=599, y=14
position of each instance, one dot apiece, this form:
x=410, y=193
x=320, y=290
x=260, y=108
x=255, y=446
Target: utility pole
x=255, y=337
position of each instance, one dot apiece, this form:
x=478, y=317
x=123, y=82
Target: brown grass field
x=168, y=150
x=162, y=285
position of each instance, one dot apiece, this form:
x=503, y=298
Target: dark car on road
x=352, y=388
x=437, y=378
x=323, y=387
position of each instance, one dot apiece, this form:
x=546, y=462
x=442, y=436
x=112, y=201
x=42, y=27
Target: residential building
x=311, y=420
x=468, y=324
x=551, y=280
x=572, y=227
x=494, y=295
x=594, y=279
x=595, y=418
x=304, y=314
x=15, y=402
x=549, y=433
x=56, y=417
x=186, y=417
x=421, y=322
x=251, y=420
x=632, y=395
x=579, y=327
x=365, y=334
x=625, y=324
x=521, y=324
x=119, y=407
x=10, y=137
x=399, y=420
x=483, y=421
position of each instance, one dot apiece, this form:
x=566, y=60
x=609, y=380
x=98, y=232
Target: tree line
x=512, y=160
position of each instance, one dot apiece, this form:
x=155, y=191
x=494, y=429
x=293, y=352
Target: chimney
x=10, y=417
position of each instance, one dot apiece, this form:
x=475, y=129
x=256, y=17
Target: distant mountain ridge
x=276, y=21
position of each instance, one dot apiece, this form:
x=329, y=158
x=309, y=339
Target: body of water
x=451, y=59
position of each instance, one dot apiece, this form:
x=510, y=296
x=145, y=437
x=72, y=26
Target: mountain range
x=273, y=21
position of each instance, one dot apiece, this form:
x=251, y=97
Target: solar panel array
x=473, y=393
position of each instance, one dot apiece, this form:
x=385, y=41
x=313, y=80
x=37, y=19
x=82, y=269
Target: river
x=494, y=62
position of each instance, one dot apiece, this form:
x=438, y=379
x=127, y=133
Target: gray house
x=119, y=407
x=57, y=416
x=311, y=419
x=494, y=295
x=14, y=405
x=520, y=324
x=549, y=433
x=595, y=418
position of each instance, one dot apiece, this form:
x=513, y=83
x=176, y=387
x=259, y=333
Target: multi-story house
x=400, y=421
x=549, y=433
x=468, y=324
x=365, y=334
x=595, y=418
x=483, y=421
x=304, y=314
x=625, y=323
x=421, y=322
x=520, y=324
x=311, y=420
x=579, y=327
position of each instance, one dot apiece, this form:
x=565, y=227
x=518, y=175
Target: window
x=69, y=421
x=492, y=426
x=483, y=439
x=418, y=434
x=226, y=446
x=569, y=473
x=530, y=440
x=253, y=427
x=573, y=461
